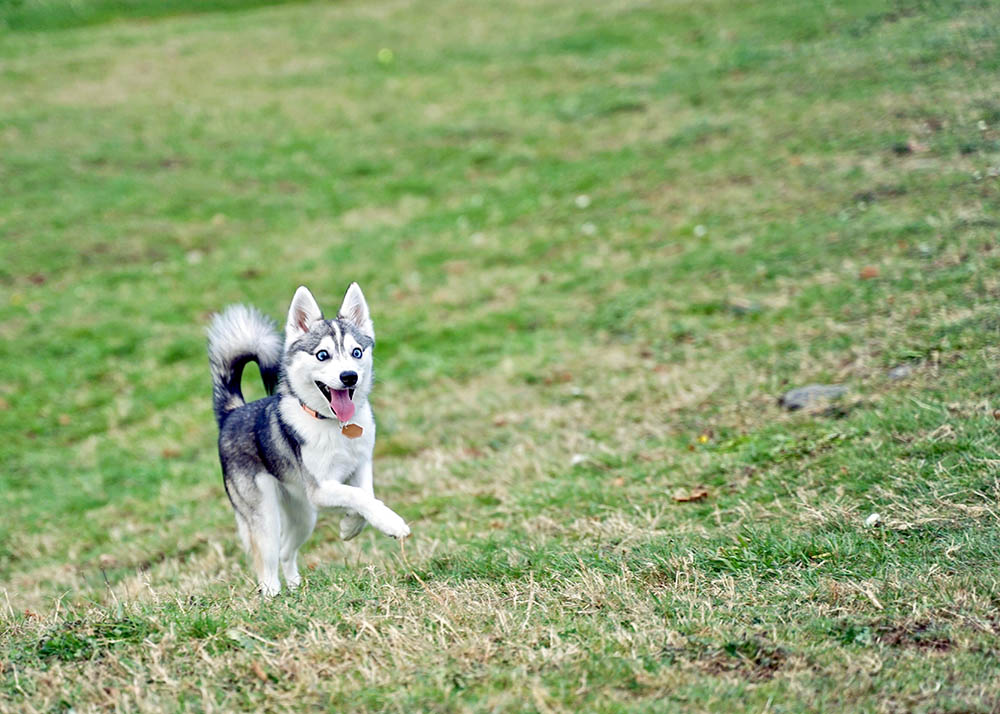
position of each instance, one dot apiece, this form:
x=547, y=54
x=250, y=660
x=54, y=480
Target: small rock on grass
x=802, y=397
x=900, y=372
x=742, y=306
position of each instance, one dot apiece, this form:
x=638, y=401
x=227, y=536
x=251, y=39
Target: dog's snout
x=349, y=379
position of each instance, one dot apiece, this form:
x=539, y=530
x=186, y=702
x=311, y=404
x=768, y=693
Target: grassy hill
x=599, y=241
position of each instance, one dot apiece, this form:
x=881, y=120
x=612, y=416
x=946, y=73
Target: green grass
x=599, y=240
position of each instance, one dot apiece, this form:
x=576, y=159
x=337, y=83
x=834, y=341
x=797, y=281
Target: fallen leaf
x=169, y=453
x=693, y=495
x=869, y=272
x=619, y=482
x=258, y=671
x=557, y=377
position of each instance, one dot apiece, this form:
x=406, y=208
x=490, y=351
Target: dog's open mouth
x=341, y=401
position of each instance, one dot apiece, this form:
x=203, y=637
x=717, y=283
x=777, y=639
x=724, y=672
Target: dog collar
x=312, y=412
x=351, y=431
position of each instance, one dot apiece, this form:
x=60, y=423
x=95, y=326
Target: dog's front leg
x=353, y=523
x=352, y=498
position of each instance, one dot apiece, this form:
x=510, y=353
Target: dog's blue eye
x=322, y=355
x=356, y=353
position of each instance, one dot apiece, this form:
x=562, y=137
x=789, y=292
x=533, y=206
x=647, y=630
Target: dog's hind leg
x=298, y=518
x=264, y=531
x=243, y=531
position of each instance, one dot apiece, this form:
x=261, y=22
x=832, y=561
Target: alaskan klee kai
x=309, y=444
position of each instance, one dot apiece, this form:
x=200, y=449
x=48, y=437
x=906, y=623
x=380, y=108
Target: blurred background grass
x=29, y=15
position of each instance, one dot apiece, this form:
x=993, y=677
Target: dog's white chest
x=328, y=455
x=332, y=456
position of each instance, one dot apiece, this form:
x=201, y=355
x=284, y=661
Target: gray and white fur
x=285, y=456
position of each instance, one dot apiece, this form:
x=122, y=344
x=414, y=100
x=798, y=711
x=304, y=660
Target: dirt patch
x=921, y=635
x=752, y=659
x=878, y=193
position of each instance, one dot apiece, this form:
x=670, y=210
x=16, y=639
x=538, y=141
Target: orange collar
x=312, y=412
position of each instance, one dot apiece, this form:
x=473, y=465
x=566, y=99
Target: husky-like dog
x=309, y=444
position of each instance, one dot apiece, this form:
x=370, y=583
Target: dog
x=309, y=443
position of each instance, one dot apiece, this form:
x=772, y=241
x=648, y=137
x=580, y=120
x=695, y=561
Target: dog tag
x=352, y=431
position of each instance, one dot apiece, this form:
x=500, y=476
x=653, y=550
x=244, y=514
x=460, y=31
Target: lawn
x=599, y=241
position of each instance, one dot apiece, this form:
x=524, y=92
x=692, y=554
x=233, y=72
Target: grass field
x=599, y=240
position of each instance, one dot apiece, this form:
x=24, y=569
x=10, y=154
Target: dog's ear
x=355, y=310
x=302, y=313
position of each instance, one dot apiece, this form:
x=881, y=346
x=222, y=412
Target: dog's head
x=328, y=363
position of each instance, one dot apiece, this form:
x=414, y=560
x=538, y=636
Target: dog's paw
x=351, y=525
x=389, y=522
x=269, y=588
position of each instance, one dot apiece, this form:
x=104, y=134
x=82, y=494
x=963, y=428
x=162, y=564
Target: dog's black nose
x=349, y=379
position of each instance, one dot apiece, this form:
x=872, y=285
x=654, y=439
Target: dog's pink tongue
x=340, y=402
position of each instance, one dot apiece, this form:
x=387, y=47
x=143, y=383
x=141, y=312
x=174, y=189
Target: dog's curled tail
x=240, y=334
